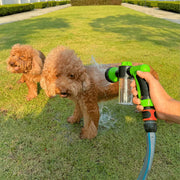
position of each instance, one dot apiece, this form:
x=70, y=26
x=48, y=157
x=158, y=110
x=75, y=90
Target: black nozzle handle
x=149, y=113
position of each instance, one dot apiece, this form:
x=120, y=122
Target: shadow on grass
x=22, y=31
x=46, y=146
x=139, y=28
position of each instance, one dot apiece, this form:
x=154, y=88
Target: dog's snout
x=11, y=63
x=63, y=93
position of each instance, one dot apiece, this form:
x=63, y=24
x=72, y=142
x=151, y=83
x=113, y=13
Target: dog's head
x=24, y=59
x=64, y=74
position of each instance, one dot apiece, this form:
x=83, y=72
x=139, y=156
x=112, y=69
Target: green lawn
x=36, y=142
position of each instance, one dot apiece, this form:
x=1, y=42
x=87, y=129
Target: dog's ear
x=37, y=65
x=16, y=46
x=86, y=82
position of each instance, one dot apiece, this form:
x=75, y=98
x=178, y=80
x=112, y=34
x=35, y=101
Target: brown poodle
x=28, y=61
x=64, y=74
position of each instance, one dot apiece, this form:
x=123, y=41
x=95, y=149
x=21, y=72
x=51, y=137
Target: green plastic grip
x=141, y=84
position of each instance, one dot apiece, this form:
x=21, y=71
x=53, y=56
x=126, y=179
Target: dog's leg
x=22, y=79
x=32, y=90
x=77, y=115
x=90, y=111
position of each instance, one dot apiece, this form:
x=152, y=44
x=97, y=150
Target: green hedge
x=170, y=6
x=95, y=2
x=142, y=2
x=63, y=2
x=152, y=3
x=15, y=8
x=40, y=5
x=173, y=6
x=51, y=3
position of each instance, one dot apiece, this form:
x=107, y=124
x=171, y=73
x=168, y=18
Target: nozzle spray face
x=111, y=74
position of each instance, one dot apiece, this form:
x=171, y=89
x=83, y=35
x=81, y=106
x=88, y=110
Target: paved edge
x=30, y=14
x=169, y=16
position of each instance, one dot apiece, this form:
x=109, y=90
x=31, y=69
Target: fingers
x=136, y=100
x=139, y=108
x=145, y=75
x=134, y=91
x=133, y=88
x=133, y=84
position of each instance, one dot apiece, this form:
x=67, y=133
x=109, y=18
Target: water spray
x=124, y=74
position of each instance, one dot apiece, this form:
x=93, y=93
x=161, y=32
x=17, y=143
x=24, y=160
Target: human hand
x=166, y=108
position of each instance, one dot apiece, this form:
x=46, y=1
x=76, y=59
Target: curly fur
x=64, y=74
x=28, y=61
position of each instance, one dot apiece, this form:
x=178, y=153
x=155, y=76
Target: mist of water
x=108, y=117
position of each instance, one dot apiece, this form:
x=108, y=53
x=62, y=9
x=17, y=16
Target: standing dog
x=28, y=61
x=64, y=74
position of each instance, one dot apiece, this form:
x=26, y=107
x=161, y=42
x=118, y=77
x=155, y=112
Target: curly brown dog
x=64, y=74
x=28, y=61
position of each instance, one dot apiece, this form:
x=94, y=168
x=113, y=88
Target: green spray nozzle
x=126, y=70
x=114, y=73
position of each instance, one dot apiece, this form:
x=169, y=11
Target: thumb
x=145, y=75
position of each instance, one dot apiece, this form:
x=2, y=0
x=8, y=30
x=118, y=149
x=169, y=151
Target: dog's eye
x=22, y=57
x=72, y=76
x=58, y=75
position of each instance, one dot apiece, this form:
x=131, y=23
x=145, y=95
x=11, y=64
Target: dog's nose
x=12, y=64
x=63, y=93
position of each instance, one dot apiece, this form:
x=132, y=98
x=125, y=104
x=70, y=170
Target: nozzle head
x=111, y=74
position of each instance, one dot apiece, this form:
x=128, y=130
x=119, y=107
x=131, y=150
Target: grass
x=36, y=142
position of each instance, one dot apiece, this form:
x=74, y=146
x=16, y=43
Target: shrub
x=132, y=1
x=95, y=2
x=15, y=8
x=170, y=6
x=167, y=5
x=51, y=3
x=152, y=3
x=62, y=2
x=40, y=5
x=142, y=2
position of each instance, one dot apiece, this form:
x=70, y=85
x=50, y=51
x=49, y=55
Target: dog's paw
x=20, y=81
x=72, y=120
x=30, y=97
x=89, y=133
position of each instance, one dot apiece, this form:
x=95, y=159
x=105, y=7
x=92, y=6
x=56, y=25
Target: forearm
x=170, y=112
